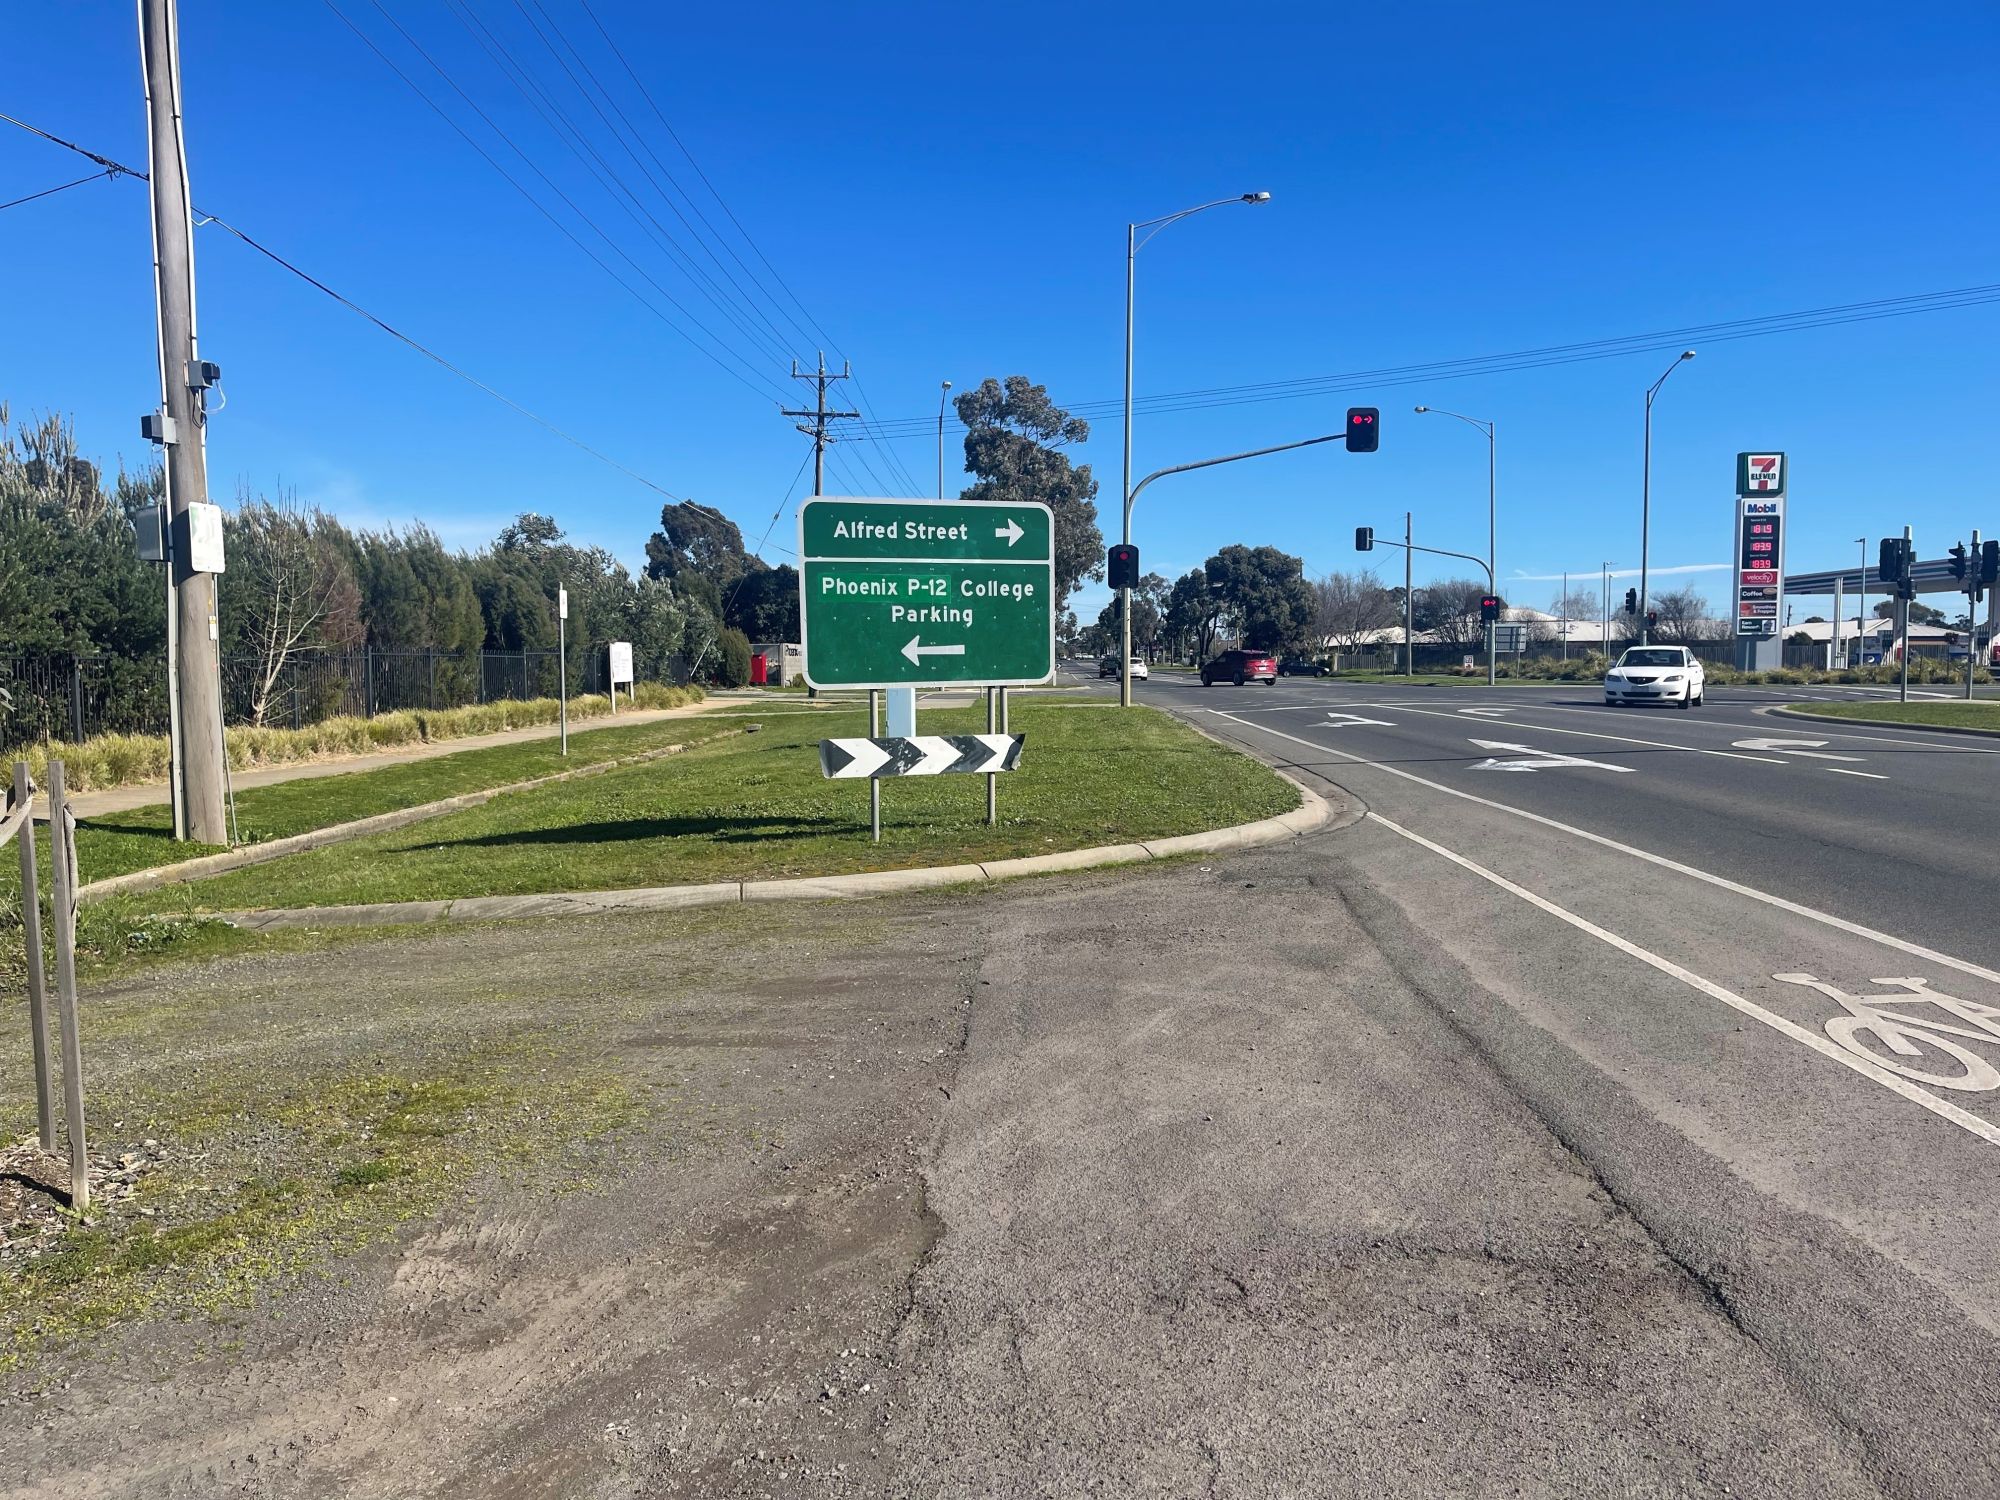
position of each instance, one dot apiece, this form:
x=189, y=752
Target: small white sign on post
x=562, y=606
x=204, y=538
x=621, y=670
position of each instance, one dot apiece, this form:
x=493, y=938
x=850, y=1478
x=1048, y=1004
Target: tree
x=1449, y=610
x=1013, y=442
x=1920, y=613
x=1685, y=618
x=764, y=604
x=1194, y=613
x=694, y=539
x=1145, y=623
x=290, y=585
x=1266, y=591
x=1349, y=608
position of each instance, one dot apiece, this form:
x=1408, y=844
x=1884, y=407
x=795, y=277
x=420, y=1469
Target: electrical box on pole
x=1364, y=429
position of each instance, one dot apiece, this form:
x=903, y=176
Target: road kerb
x=1313, y=814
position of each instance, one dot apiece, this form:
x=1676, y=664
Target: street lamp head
x=1256, y=197
x=946, y=385
x=1687, y=354
x=1422, y=409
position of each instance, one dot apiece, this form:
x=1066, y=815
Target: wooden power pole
x=184, y=381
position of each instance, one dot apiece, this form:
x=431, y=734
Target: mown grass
x=755, y=807
x=1978, y=713
x=141, y=838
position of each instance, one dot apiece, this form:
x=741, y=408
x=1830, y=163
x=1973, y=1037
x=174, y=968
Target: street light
x=942, y=389
x=1134, y=242
x=1646, y=498
x=1492, y=516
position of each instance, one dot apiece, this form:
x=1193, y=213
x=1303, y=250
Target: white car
x=1656, y=674
x=1109, y=668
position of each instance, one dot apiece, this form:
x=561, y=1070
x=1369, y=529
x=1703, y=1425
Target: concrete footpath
x=122, y=798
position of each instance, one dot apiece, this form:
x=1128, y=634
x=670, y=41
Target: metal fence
x=64, y=696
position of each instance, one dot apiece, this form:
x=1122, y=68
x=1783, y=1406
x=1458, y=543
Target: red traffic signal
x=1489, y=608
x=1121, y=566
x=1364, y=429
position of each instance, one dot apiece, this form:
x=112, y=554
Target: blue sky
x=946, y=191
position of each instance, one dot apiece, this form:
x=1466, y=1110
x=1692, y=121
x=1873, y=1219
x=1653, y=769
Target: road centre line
x=1921, y=1097
x=1721, y=882
x=1872, y=776
x=1626, y=739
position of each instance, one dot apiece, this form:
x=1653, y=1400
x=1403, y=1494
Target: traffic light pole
x=1131, y=499
x=1972, y=591
x=1409, y=548
x=1903, y=585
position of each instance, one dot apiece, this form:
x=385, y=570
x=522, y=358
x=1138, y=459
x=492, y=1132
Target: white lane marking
x=1842, y=771
x=1868, y=1069
x=1545, y=761
x=1808, y=748
x=1623, y=739
x=1907, y=1034
x=1710, y=722
x=1487, y=713
x=1348, y=721
x=1721, y=882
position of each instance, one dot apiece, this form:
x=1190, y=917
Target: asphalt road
x=1230, y=1162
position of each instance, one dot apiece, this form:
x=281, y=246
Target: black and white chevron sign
x=919, y=755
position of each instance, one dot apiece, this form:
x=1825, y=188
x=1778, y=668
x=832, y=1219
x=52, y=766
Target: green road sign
x=952, y=593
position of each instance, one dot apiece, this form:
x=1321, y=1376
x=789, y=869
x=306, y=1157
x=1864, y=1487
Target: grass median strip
x=1976, y=713
x=756, y=807
x=142, y=838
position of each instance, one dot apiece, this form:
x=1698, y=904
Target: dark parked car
x=1302, y=666
x=1240, y=667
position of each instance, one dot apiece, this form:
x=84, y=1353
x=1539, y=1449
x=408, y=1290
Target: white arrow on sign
x=916, y=651
x=1012, y=531
x=1545, y=760
x=1807, y=748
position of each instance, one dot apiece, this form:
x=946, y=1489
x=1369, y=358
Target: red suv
x=1240, y=667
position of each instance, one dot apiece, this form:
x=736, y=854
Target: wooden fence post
x=62, y=826
x=38, y=995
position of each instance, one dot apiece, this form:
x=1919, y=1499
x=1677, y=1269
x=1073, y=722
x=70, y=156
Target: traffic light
x=1989, y=563
x=1631, y=601
x=1121, y=566
x=1890, y=564
x=1364, y=429
x=1489, y=608
x=1364, y=539
x=1958, y=561
x=1652, y=619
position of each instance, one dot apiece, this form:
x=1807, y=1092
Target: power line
x=113, y=168
x=106, y=175
x=1526, y=359
x=562, y=228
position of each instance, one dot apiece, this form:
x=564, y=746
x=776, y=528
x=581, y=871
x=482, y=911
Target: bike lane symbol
x=1899, y=1032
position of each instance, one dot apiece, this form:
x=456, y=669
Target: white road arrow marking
x=1809, y=748
x=1012, y=531
x=1486, y=713
x=916, y=651
x=1544, y=760
x=1348, y=721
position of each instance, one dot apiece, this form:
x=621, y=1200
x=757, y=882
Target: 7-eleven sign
x=1760, y=474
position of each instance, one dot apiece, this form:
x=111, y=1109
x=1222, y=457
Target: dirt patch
x=694, y=1298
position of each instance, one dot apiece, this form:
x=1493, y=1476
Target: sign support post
x=562, y=661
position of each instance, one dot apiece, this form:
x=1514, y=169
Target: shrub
x=732, y=659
